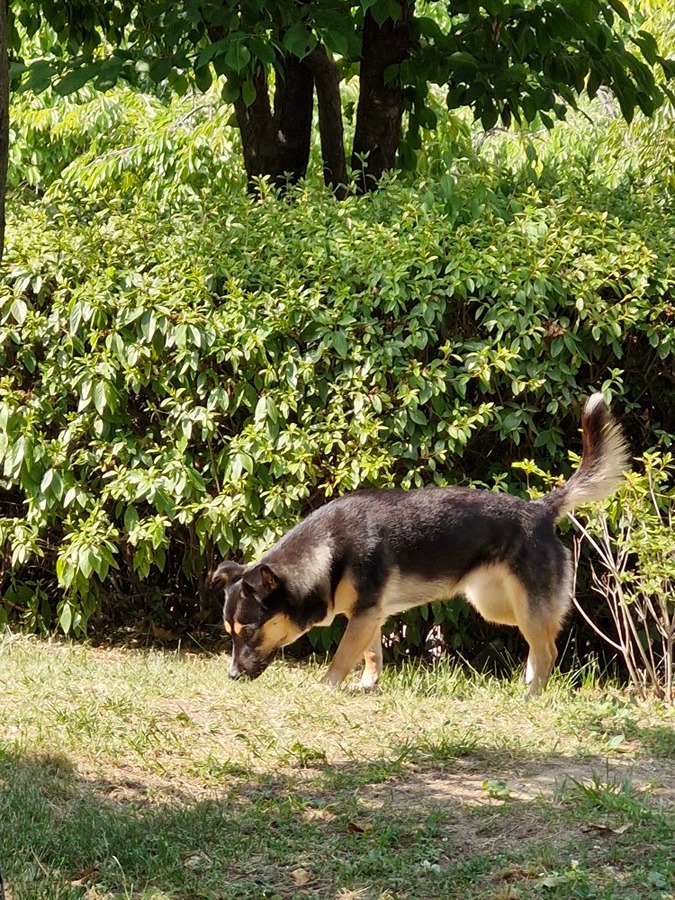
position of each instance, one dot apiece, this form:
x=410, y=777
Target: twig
x=191, y=112
x=587, y=618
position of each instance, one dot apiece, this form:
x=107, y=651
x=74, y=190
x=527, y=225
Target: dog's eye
x=248, y=631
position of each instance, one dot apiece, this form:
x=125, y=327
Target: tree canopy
x=506, y=60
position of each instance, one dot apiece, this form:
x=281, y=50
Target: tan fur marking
x=403, y=592
x=540, y=634
x=497, y=594
x=277, y=632
x=345, y=597
x=228, y=627
x=500, y=597
x=238, y=627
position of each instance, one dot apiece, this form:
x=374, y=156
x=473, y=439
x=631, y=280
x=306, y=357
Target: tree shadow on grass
x=433, y=820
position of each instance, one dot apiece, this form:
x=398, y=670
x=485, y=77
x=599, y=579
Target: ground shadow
x=435, y=819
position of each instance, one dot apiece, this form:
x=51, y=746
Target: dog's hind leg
x=502, y=597
x=372, y=664
x=540, y=634
x=359, y=636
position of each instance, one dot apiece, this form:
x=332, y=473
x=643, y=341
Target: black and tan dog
x=372, y=554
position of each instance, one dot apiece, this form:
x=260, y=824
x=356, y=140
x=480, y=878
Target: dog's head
x=256, y=615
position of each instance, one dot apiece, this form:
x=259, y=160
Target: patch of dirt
x=527, y=781
x=511, y=791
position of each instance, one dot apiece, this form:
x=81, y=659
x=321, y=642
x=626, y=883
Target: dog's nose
x=235, y=672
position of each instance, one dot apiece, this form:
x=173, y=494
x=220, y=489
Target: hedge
x=185, y=372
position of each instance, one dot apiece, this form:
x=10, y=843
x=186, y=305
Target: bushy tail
x=605, y=458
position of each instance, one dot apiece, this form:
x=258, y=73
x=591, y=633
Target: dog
x=372, y=554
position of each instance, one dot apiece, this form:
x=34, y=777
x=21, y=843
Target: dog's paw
x=366, y=687
x=328, y=683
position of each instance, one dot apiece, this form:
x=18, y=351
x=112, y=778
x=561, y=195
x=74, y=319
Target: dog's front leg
x=372, y=664
x=360, y=634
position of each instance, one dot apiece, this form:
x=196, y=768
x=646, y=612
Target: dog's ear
x=263, y=581
x=226, y=573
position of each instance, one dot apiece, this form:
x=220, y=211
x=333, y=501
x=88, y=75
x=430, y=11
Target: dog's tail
x=605, y=458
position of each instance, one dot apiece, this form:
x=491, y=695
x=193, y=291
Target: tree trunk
x=330, y=120
x=293, y=105
x=276, y=144
x=259, y=144
x=380, y=109
x=4, y=124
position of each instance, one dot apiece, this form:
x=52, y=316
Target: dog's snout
x=235, y=672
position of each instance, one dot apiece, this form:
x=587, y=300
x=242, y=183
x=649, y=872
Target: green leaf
x=382, y=10
x=178, y=82
x=86, y=559
x=338, y=32
x=231, y=91
x=99, y=397
x=160, y=68
x=299, y=40
x=341, y=344
x=417, y=416
x=108, y=73
x=489, y=117
x=19, y=310
x=66, y=618
x=17, y=69
x=74, y=80
x=463, y=61
x=238, y=57
x=647, y=43
x=620, y=9
x=215, y=49
x=262, y=50
x=248, y=92
x=70, y=497
x=260, y=413
x=203, y=78
x=40, y=75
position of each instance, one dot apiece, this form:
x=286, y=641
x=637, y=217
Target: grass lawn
x=150, y=775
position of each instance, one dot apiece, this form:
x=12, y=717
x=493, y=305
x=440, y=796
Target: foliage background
x=185, y=372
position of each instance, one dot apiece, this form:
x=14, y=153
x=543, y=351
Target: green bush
x=185, y=372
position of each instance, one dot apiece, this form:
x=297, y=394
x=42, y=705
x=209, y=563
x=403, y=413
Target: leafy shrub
x=633, y=543
x=185, y=372
x=118, y=142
